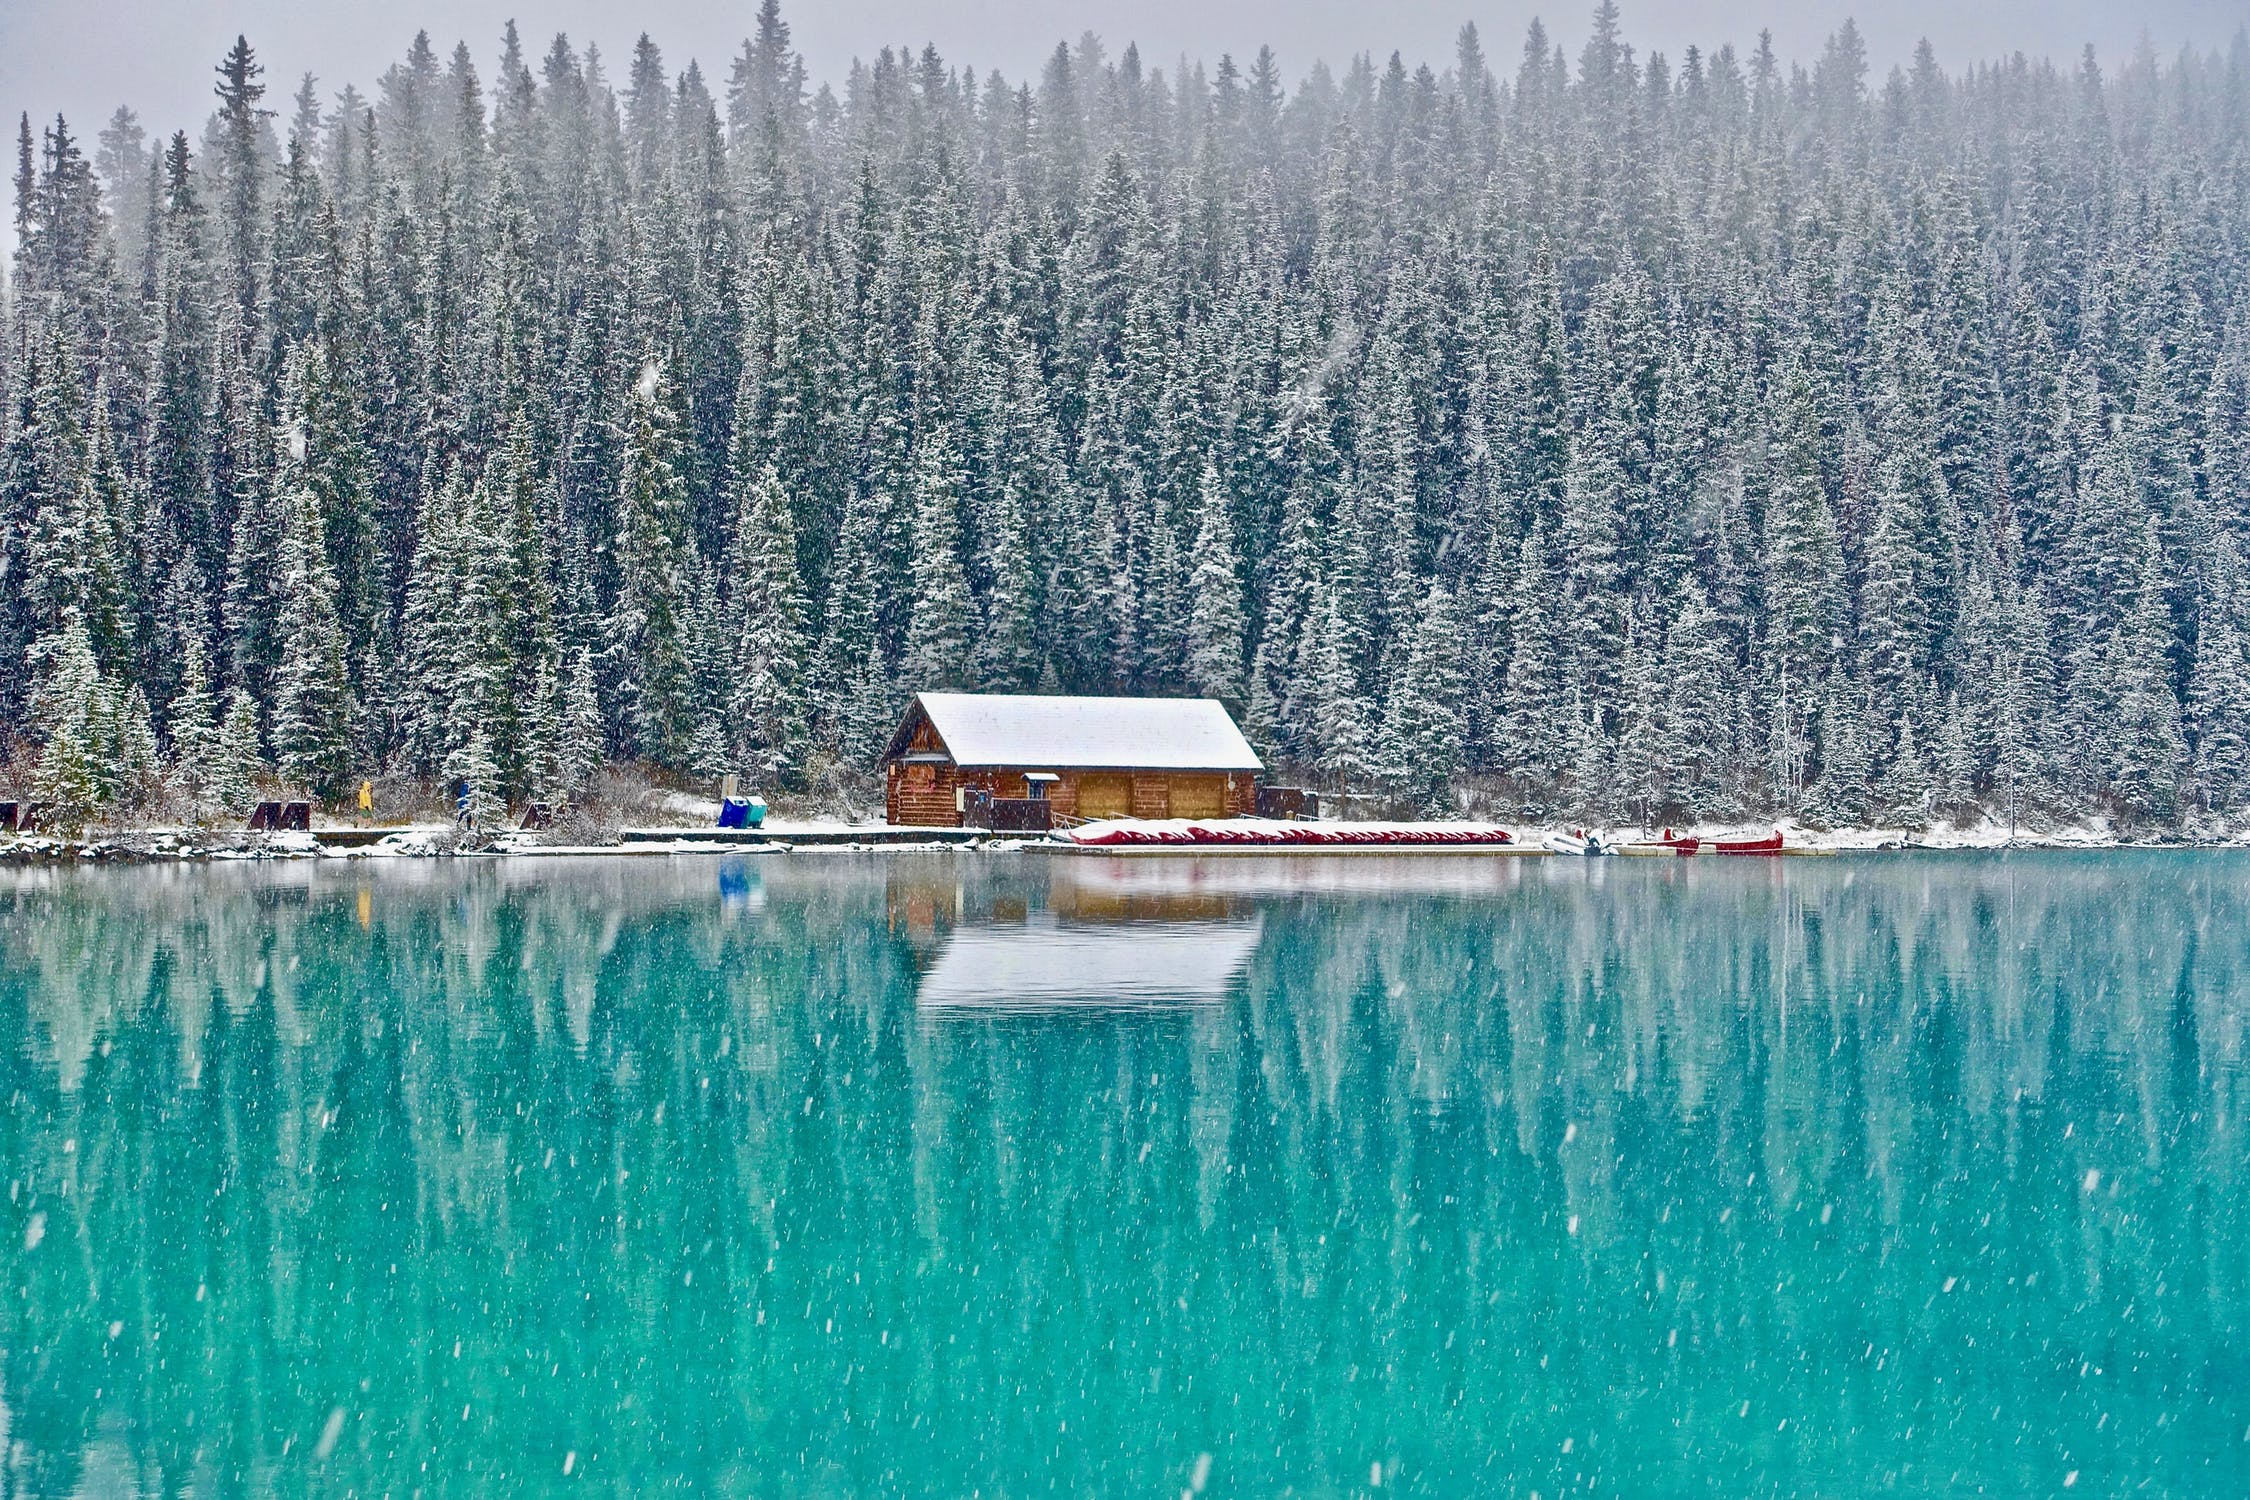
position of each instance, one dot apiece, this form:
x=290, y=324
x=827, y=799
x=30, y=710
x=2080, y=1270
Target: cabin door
x=1199, y=796
x=1105, y=794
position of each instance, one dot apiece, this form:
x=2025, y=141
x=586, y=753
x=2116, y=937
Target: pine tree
x=1215, y=620
x=1907, y=789
x=1339, y=707
x=479, y=800
x=194, y=731
x=578, y=753
x=1593, y=574
x=71, y=545
x=242, y=171
x=651, y=629
x=69, y=707
x=139, y=768
x=1593, y=760
x=2219, y=701
x=1422, y=718
x=1695, y=677
x=1535, y=735
x=1953, y=761
x=449, y=611
x=2144, y=751
x=2021, y=707
x=1278, y=714
x=1645, y=752
x=1008, y=651
x=938, y=644
x=1804, y=559
x=1894, y=607
x=1840, y=797
x=312, y=714
x=238, y=760
x=764, y=634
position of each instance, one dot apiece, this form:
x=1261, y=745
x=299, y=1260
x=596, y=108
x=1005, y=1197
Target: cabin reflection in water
x=1070, y=945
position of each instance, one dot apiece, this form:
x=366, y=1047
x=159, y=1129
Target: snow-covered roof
x=1059, y=733
x=1045, y=964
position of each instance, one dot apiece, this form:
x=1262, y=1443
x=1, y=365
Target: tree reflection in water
x=1657, y=1177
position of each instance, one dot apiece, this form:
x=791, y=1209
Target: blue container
x=742, y=812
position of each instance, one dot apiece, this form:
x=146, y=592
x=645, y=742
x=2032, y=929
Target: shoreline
x=428, y=841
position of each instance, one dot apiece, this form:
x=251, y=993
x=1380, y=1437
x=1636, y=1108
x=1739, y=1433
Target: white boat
x=1577, y=841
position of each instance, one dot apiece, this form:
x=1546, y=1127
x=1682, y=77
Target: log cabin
x=1089, y=757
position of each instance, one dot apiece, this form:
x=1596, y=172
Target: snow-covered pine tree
x=71, y=546
x=1953, y=760
x=578, y=747
x=1593, y=760
x=2142, y=748
x=939, y=648
x=1536, y=735
x=2022, y=709
x=72, y=714
x=1594, y=602
x=764, y=639
x=312, y=711
x=1341, y=727
x=2219, y=709
x=472, y=769
x=194, y=732
x=1804, y=563
x=1278, y=716
x=1907, y=789
x=1645, y=755
x=1008, y=650
x=1215, y=614
x=651, y=627
x=239, y=760
x=138, y=767
x=424, y=685
x=1696, y=680
x=1421, y=734
x=1840, y=797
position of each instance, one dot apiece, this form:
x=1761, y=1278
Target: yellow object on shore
x=366, y=797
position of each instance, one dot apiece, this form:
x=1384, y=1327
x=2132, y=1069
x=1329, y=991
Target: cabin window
x=920, y=775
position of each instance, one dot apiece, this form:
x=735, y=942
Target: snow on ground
x=1987, y=834
x=687, y=809
x=687, y=815
x=783, y=827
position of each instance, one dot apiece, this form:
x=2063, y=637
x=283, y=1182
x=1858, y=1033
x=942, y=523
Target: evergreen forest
x=1719, y=436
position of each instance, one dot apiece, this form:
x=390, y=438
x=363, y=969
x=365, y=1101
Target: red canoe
x=1256, y=834
x=1771, y=844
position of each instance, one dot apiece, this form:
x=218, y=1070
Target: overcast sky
x=85, y=57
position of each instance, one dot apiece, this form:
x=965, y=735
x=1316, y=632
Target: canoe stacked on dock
x=1226, y=835
x=1265, y=833
x=1684, y=844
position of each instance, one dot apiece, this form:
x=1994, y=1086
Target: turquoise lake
x=1001, y=1175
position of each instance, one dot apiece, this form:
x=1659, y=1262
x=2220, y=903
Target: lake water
x=997, y=1175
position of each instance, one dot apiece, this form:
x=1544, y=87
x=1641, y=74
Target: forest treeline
x=1644, y=437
